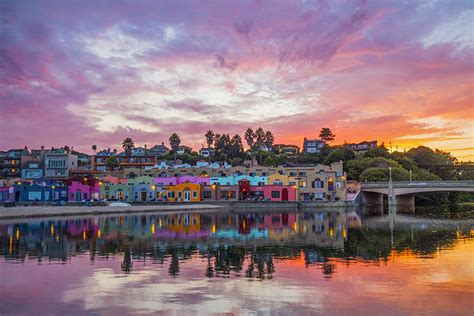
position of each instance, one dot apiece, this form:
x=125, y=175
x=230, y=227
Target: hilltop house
x=311, y=146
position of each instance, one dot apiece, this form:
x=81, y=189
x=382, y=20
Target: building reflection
x=232, y=243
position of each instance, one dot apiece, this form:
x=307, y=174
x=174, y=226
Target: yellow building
x=184, y=192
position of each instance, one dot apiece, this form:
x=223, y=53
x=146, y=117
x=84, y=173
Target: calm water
x=270, y=263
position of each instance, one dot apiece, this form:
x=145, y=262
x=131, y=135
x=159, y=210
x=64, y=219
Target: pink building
x=274, y=192
x=113, y=180
x=79, y=191
x=194, y=179
x=162, y=181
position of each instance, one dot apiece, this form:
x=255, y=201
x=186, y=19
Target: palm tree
x=112, y=163
x=94, y=148
x=260, y=136
x=209, y=138
x=174, y=143
x=128, y=144
x=249, y=138
x=269, y=139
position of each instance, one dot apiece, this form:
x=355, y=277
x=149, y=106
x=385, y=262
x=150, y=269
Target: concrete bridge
x=402, y=193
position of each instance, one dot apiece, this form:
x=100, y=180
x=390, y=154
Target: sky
x=94, y=72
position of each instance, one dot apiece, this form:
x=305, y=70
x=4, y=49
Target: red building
x=274, y=192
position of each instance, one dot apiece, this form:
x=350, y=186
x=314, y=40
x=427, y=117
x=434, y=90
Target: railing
x=411, y=184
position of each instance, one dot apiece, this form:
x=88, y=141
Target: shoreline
x=40, y=211
x=26, y=212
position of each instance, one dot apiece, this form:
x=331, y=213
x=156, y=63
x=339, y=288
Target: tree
x=94, y=148
x=249, y=137
x=326, y=135
x=269, y=139
x=128, y=145
x=209, y=138
x=260, y=138
x=174, y=143
x=236, y=149
x=383, y=174
x=380, y=151
x=67, y=149
x=112, y=163
x=341, y=153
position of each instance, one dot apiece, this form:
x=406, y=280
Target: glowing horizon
x=84, y=73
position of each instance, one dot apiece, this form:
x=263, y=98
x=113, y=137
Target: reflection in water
x=254, y=246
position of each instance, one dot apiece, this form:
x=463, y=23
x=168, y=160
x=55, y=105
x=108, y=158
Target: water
x=267, y=263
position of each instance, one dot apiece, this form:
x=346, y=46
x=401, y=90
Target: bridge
x=402, y=193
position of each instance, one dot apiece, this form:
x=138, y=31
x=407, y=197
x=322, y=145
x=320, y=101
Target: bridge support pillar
x=372, y=203
x=405, y=203
x=372, y=198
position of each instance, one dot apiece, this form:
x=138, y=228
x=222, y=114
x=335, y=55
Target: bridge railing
x=415, y=184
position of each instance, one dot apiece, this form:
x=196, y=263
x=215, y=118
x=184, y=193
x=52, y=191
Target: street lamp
x=52, y=192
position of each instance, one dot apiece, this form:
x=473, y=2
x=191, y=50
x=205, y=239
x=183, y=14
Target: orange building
x=184, y=192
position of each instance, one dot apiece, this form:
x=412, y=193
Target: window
x=207, y=194
x=34, y=196
x=180, y=194
x=171, y=194
x=302, y=173
x=302, y=184
x=195, y=194
x=71, y=196
x=63, y=193
x=317, y=183
x=292, y=183
x=292, y=174
x=278, y=182
x=275, y=194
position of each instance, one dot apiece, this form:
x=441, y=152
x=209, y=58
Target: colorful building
x=274, y=192
x=147, y=193
x=235, y=179
x=184, y=192
x=217, y=192
x=119, y=192
x=79, y=191
x=41, y=192
x=7, y=194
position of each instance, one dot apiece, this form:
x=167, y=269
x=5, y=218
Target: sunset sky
x=94, y=72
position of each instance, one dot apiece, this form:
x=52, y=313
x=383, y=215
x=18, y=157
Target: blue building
x=41, y=191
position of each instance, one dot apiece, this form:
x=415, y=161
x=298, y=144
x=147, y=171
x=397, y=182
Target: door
x=17, y=196
x=143, y=196
x=78, y=196
x=187, y=194
x=284, y=194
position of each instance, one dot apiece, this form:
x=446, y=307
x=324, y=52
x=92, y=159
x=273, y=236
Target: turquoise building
x=234, y=180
